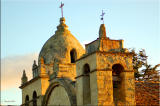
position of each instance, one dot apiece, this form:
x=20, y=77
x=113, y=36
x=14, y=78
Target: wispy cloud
x=12, y=68
x=85, y=42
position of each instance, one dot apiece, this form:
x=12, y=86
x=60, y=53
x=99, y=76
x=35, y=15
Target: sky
x=27, y=24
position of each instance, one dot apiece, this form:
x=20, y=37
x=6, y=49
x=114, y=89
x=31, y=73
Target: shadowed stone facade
x=66, y=74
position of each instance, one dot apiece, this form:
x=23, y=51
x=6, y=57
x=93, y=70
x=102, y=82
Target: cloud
x=12, y=68
x=85, y=42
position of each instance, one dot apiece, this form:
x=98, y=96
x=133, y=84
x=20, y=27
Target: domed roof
x=58, y=47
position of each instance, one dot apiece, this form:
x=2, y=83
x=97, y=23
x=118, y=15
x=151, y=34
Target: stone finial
x=62, y=26
x=35, y=69
x=102, y=31
x=24, y=73
x=62, y=20
x=34, y=65
x=24, y=77
x=34, y=62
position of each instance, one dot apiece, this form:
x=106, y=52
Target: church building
x=67, y=74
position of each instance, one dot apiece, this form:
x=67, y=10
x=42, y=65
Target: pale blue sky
x=27, y=24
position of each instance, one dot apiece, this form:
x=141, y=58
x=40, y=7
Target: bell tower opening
x=73, y=55
x=34, y=98
x=116, y=71
x=86, y=85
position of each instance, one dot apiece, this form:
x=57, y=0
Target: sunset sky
x=27, y=24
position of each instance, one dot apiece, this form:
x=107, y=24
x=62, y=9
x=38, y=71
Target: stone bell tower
x=105, y=74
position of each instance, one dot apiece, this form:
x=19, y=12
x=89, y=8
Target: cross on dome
x=61, y=6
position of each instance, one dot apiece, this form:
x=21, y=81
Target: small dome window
x=73, y=55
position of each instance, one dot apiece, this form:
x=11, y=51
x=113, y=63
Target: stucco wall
x=91, y=60
x=28, y=90
x=39, y=85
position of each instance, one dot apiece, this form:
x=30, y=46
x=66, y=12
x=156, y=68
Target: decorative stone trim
x=103, y=52
x=107, y=69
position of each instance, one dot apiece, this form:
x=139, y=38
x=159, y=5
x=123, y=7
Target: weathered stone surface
x=58, y=47
x=105, y=57
x=107, y=60
x=67, y=71
x=66, y=76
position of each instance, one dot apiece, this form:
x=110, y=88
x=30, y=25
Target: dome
x=62, y=47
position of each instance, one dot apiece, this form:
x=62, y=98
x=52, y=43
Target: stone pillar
x=24, y=78
x=102, y=88
x=128, y=88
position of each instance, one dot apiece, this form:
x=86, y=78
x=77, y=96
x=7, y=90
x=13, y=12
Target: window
x=34, y=98
x=73, y=55
x=86, y=85
x=27, y=100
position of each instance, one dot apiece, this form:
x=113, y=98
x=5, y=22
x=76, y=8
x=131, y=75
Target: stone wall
x=107, y=60
x=101, y=84
x=67, y=71
x=126, y=89
x=104, y=44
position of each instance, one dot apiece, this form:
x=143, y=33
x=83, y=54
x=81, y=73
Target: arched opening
x=86, y=85
x=34, y=98
x=60, y=92
x=73, y=55
x=27, y=100
x=116, y=77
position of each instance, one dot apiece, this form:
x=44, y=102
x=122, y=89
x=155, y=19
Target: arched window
x=27, y=100
x=34, y=98
x=73, y=55
x=86, y=85
x=116, y=77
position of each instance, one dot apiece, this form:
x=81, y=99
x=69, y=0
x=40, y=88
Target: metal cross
x=102, y=16
x=61, y=6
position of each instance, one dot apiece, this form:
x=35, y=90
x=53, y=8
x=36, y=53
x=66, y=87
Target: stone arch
x=73, y=55
x=86, y=85
x=117, y=69
x=34, y=98
x=66, y=84
x=27, y=100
